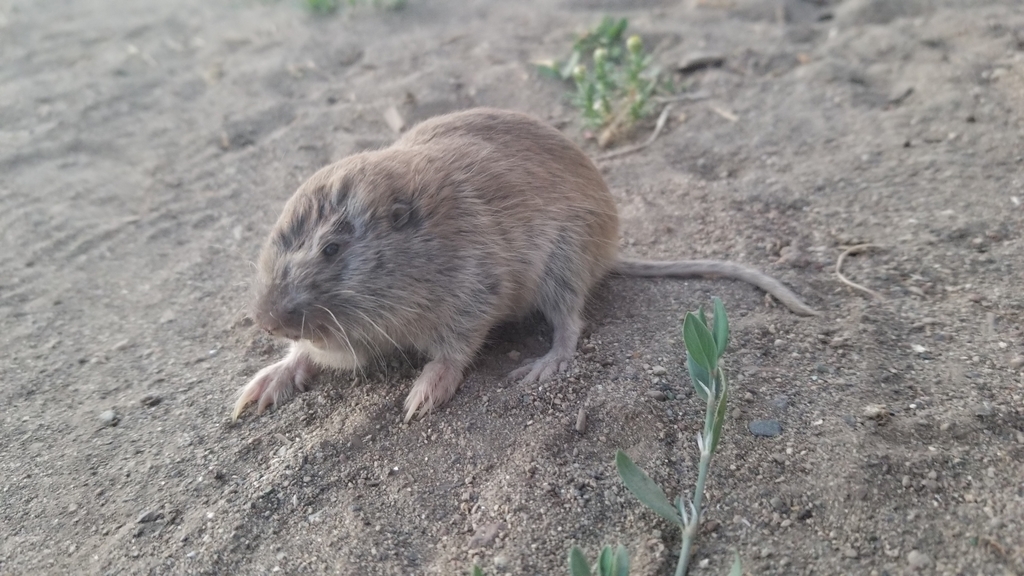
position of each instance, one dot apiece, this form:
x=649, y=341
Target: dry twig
x=839, y=269
x=630, y=149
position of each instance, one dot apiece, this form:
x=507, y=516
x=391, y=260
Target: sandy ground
x=147, y=147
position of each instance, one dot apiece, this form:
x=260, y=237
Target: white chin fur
x=329, y=358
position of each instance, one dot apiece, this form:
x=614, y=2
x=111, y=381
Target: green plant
x=322, y=6
x=613, y=89
x=609, y=562
x=329, y=6
x=705, y=345
x=704, y=348
x=607, y=35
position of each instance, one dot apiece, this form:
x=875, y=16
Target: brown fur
x=468, y=220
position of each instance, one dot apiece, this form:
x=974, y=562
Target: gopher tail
x=714, y=269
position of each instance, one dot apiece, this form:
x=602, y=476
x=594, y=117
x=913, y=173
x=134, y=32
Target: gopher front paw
x=276, y=383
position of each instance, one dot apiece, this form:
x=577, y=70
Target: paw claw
x=435, y=386
x=540, y=369
x=275, y=383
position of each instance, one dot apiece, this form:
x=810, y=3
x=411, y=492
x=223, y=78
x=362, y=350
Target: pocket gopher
x=467, y=220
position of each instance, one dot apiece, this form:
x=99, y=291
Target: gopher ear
x=402, y=215
x=339, y=195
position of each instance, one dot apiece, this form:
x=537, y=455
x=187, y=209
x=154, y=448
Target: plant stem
x=690, y=530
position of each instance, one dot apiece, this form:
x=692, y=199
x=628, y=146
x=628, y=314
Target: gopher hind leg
x=563, y=292
x=559, y=358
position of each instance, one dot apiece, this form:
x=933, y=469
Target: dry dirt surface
x=147, y=147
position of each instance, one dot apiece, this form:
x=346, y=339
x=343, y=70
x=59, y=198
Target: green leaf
x=570, y=65
x=701, y=316
x=549, y=71
x=721, y=327
x=716, y=429
x=604, y=562
x=478, y=571
x=615, y=563
x=699, y=343
x=698, y=374
x=614, y=31
x=641, y=485
x=578, y=565
x=621, y=565
x=737, y=566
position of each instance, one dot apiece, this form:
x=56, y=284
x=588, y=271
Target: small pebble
x=765, y=428
x=918, y=560
x=780, y=402
x=148, y=516
x=659, y=371
x=501, y=562
x=485, y=535
x=1017, y=362
x=657, y=395
x=876, y=412
x=121, y=345
x=514, y=355
x=850, y=552
x=581, y=420
x=150, y=400
x=778, y=505
x=109, y=418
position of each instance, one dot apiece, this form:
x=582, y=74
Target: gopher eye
x=402, y=215
x=331, y=249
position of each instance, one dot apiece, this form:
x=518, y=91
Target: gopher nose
x=284, y=323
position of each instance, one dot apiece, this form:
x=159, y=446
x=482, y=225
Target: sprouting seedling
x=704, y=348
x=609, y=562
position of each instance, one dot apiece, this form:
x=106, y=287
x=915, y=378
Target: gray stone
x=109, y=418
x=918, y=560
x=765, y=428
